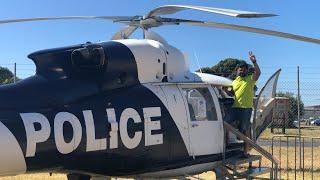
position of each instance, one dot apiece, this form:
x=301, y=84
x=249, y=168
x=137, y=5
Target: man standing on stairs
x=243, y=87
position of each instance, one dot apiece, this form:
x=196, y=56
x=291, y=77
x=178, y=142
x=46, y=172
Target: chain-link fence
x=293, y=136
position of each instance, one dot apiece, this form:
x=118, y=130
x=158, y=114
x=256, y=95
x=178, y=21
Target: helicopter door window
x=200, y=104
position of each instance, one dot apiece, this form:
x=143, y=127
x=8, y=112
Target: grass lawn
x=311, y=131
x=45, y=176
x=40, y=176
x=288, y=161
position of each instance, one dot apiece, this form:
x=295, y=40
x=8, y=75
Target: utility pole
x=15, y=73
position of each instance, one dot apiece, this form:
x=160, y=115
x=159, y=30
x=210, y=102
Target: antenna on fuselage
x=144, y=32
x=196, y=57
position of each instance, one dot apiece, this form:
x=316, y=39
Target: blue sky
x=210, y=45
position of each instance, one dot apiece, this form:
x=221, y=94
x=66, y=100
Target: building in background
x=312, y=112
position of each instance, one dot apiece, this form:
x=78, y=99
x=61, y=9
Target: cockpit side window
x=200, y=104
x=225, y=100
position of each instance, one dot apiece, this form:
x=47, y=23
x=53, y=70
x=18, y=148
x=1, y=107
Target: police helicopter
x=121, y=108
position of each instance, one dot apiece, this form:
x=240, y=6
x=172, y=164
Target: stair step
x=256, y=171
x=236, y=161
x=234, y=146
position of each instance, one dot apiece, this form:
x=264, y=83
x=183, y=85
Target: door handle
x=194, y=125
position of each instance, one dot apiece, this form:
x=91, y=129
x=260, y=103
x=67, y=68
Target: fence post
x=299, y=127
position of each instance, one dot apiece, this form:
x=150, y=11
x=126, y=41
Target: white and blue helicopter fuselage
x=128, y=108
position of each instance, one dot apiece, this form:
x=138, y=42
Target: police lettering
x=118, y=128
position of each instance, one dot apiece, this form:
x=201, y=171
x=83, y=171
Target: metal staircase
x=241, y=167
x=236, y=166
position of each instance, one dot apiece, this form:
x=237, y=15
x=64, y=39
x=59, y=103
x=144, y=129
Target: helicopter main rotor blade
x=124, y=33
x=171, y=9
x=153, y=20
x=112, y=18
x=249, y=29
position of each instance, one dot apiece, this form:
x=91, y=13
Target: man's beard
x=242, y=74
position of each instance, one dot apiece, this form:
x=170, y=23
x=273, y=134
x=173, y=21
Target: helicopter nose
x=12, y=160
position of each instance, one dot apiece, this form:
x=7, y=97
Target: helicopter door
x=177, y=110
x=264, y=104
x=204, y=119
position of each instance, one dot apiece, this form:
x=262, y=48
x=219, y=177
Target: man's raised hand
x=252, y=57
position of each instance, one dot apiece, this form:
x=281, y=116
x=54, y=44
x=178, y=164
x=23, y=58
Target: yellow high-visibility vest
x=243, y=88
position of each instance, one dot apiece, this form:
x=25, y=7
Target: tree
x=6, y=76
x=207, y=70
x=293, y=109
x=225, y=68
x=9, y=81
